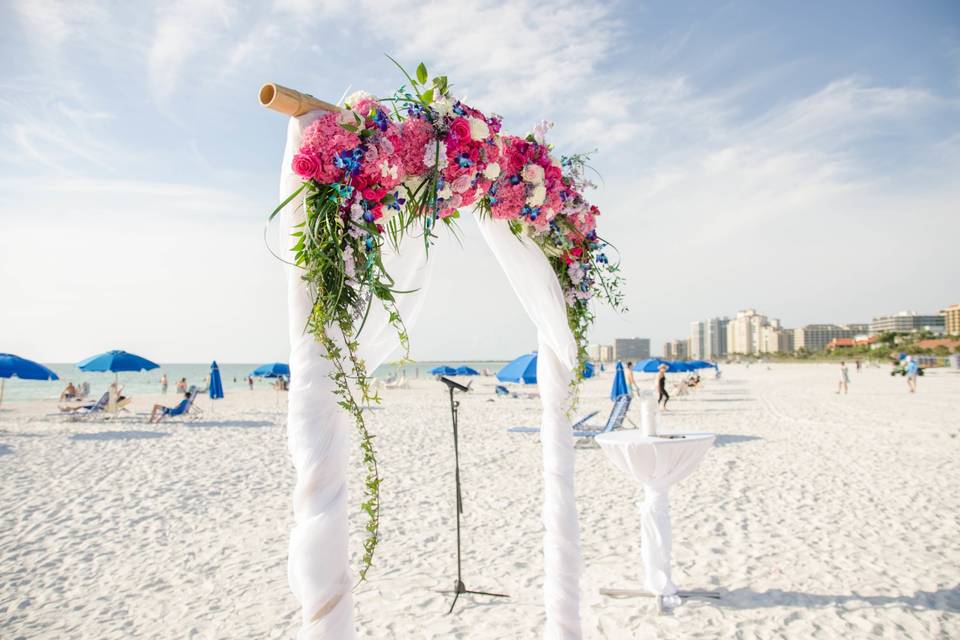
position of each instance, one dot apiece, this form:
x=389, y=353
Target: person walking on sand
x=662, y=395
x=250, y=382
x=912, y=370
x=163, y=384
x=631, y=383
x=844, y=379
x=182, y=385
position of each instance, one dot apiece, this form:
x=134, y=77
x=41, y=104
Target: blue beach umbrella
x=522, y=369
x=116, y=361
x=701, y=364
x=272, y=370
x=652, y=365
x=12, y=366
x=443, y=370
x=216, y=384
x=464, y=370
x=620, y=387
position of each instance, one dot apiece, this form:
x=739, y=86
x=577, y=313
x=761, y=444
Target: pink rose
x=306, y=165
x=460, y=129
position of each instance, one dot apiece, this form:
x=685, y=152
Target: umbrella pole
x=2, y=381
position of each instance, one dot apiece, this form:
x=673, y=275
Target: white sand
x=815, y=516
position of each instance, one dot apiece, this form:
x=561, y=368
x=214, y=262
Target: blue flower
x=381, y=120
x=464, y=160
x=514, y=179
x=458, y=108
x=368, y=216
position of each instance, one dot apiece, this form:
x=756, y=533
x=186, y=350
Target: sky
x=802, y=159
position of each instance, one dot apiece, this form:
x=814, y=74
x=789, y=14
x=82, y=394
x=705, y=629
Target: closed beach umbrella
x=12, y=366
x=523, y=369
x=619, y=387
x=464, y=370
x=588, y=370
x=443, y=370
x=272, y=370
x=216, y=384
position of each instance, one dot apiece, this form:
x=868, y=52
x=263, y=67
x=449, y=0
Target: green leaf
x=422, y=73
x=427, y=96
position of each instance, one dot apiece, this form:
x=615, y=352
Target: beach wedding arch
x=367, y=188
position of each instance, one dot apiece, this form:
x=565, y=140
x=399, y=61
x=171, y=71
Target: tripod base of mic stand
x=459, y=588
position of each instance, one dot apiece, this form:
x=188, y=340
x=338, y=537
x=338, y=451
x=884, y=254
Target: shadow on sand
x=229, y=424
x=723, y=440
x=942, y=599
x=120, y=435
x=6, y=450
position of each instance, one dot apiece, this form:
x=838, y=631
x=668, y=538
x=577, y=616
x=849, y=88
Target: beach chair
x=617, y=415
x=183, y=407
x=400, y=383
x=83, y=410
x=502, y=391
x=578, y=425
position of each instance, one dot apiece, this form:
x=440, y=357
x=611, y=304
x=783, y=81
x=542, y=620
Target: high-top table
x=657, y=463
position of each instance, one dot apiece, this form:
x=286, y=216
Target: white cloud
x=184, y=30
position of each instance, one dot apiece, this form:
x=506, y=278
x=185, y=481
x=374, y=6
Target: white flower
x=386, y=169
x=478, y=128
x=356, y=212
x=357, y=96
x=430, y=154
x=540, y=130
x=443, y=106
x=575, y=272
x=536, y=198
x=349, y=266
x=445, y=193
x=492, y=171
x=533, y=173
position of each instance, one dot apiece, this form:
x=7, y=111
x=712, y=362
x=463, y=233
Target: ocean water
x=148, y=382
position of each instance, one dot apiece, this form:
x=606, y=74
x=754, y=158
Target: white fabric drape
x=657, y=464
x=538, y=289
x=318, y=429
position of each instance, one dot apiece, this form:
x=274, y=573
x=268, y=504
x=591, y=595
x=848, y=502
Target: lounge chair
x=83, y=410
x=617, y=415
x=400, y=383
x=182, y=408
x=578, y=425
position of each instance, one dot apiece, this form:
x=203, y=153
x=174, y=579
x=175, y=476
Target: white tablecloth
x=656, y=463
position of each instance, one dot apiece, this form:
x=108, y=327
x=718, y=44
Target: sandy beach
x=815, y=515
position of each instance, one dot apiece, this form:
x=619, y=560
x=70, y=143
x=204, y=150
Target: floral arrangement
x=381, y=168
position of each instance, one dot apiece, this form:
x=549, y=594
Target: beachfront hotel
x=631, y=349
x=951, y=318
x=908, y=322
x=816, y=337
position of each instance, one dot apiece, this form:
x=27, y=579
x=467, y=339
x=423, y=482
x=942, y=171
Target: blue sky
x=800, y=158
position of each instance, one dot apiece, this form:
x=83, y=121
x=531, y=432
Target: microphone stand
x=459, y=586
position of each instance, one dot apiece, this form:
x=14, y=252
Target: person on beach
x=631, y=383
x=844, y=378
x=912, y=370
x=163, y=384
x=250, y=382
x=182, y=385
x=69, y=393
x=662, y=395
x=159, y=410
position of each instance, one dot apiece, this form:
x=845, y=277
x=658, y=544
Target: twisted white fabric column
x=535, y=283
x=318, y=429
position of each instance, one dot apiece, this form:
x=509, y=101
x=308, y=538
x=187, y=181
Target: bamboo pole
x=290, y=101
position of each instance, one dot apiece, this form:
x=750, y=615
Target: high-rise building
x=696, y=343
x=680, y=351
x=600, y=352
x=908, y=322
x=744, y=332
x=631, y=349
x=715, y=337
x=668, y=350
x=775, y=339
x=816, y=337
x=951, y=317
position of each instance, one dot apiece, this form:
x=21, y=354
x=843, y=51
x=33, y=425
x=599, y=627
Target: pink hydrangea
x=410, y=145
x=323, y=139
